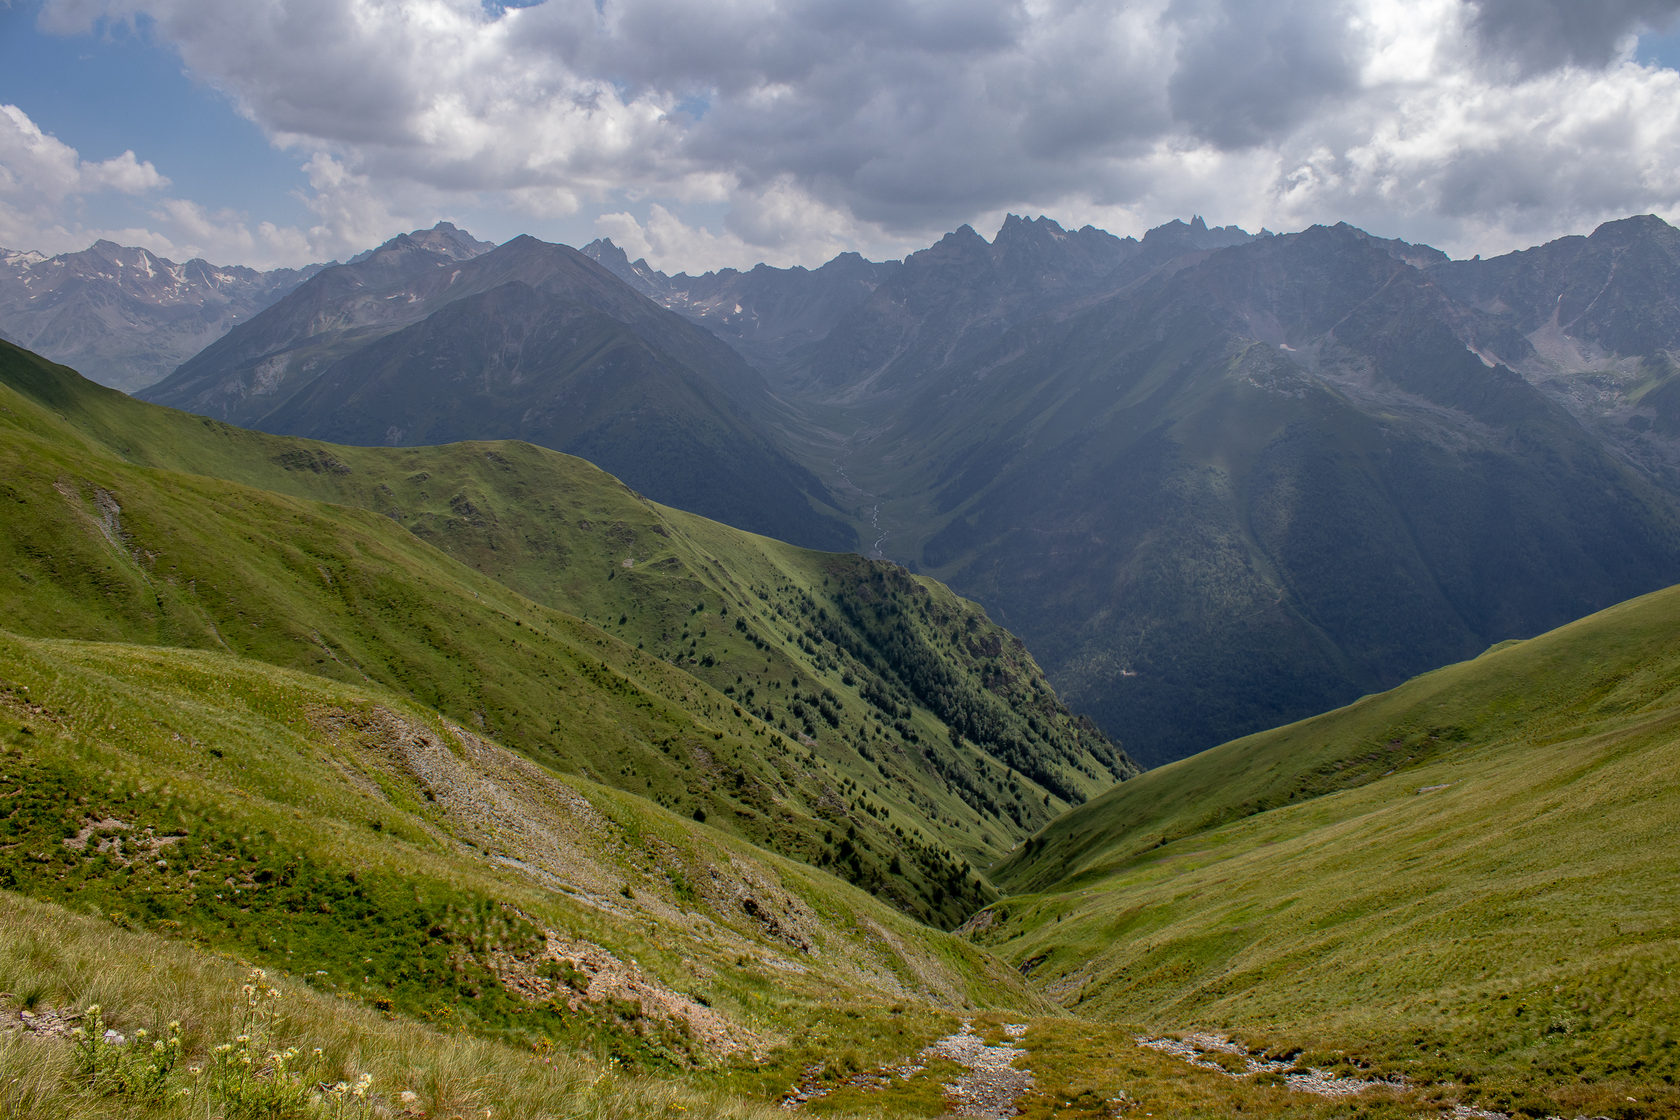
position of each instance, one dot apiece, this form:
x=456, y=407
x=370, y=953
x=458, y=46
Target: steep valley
x=534, y=795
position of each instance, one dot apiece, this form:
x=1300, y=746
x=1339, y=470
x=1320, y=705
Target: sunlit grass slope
x=936, y=728
x=51, y=958
x=1474, y=877
x=379, y=852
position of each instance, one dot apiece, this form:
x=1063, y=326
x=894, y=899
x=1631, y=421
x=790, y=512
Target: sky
x=702, y=135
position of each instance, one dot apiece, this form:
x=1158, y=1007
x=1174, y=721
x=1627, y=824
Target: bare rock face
x=123, y=316
x=126, y=317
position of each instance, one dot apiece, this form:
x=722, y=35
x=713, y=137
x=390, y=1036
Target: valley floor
x=365, y=1064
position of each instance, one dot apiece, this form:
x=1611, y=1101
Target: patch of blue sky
x=496, y=9
x=116, y=90
x=1660, y=48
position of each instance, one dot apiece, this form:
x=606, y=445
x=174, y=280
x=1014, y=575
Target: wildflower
x=93, y=1009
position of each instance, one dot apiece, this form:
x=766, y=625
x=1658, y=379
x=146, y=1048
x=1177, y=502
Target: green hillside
x=376, y=852
x=1470, y=880
x=803, y=700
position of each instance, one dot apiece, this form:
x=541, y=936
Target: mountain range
x=125, y=316
x=1220, y=482
x=1215, y=481
x=428, y=340
x=523, y=792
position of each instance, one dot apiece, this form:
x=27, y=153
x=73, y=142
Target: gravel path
x=1194, y=1049
x=992, y=1085
x=989, y=1090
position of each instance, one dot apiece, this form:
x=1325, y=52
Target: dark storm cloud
x=1248, y=72
x=898, y=112
x=889, y=120
x=1542, y=35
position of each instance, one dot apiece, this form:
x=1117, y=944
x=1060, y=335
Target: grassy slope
x=779, y=629
x=1471, y=877
x=99, y=549
x=51, y=958
x=345, y=835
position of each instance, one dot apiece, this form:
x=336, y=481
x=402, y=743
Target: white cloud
x=46, y=188
x=43, y=182
x=814, y=125
x=668, y=242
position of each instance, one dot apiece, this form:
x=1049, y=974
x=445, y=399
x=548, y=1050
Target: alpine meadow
x=760, y=604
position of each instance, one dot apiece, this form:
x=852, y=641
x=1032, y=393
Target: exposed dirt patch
x=489, y=799
x=580, y=972
x=104, y=837
x=1196, y=1049
x=49, y=1022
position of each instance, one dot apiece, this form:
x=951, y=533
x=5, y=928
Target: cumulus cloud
x=46, y=187
x=1547, y=34
x=1248, y=72
x=42, y=180
x=765, y=237
x=801, y=126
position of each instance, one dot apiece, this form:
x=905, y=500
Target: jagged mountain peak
x=962, y=241
x=444, y=238
x=607, y=254
x=1641, y=225
x=1016, y=225
x=1194, y=235
x=124, y=315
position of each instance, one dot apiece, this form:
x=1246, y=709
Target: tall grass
x=53, y=959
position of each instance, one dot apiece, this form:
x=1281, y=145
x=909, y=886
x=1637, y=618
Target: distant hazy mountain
x=1221, y=482
x=1594, y=322
x=1259, y=485
x=765, y=312
x=124, y=316
x=417, y=343
x=246, y=374
x=1216, y=481
x=854, y=319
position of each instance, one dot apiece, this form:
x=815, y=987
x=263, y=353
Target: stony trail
x=990, y=1089
x=992, y=1086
